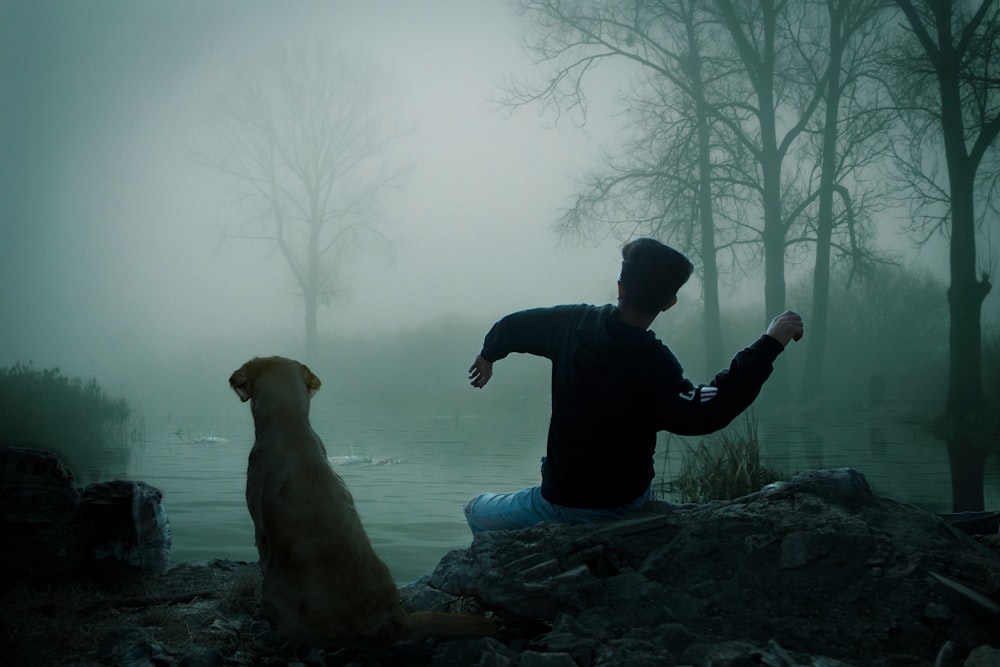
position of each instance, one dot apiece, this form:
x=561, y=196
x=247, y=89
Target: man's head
x=651, y=275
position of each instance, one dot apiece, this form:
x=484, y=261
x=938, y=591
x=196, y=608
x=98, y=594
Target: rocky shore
x=817, y=571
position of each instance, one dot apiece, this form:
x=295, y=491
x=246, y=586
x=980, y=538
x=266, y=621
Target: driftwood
x=975, y=523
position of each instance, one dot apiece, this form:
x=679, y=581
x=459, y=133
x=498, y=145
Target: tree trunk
x=314, y=283
x=966, y=402
x=967, y=459
x=774, y=223
x=774, y=246
x=965, y=298
x=311, y=306
x=714, y=352
x=758, y=56
x=812, y=380
x=966, y=399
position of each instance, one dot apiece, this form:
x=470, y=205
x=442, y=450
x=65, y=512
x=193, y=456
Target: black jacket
x=614, y=386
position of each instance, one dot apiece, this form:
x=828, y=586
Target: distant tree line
x=878, y=328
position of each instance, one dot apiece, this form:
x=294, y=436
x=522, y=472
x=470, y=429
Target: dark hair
x=652, y=272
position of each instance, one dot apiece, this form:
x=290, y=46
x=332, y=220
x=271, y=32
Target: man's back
x=614, y=386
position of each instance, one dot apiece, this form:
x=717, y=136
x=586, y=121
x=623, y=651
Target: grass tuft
x=723, y=467
x=243, y=595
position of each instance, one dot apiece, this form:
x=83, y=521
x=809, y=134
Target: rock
x=840, y=486
x=819, y=566
x=946, y=656
x=536, y=659
x=125, y=528
x=418, y=595
x=814, y=572
x=51, y=530
x=36, y=486
x=38, y=499
x=805, y=546
x=131, y=647
x=983, y=656
x=569, y=636
x=722, y=654
x=487, y=652
x=203, y=657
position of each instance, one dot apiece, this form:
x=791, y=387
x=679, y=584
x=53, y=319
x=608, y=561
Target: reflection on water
x=411, y=474
x=366, y=458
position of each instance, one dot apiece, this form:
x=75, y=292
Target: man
x=614, y=387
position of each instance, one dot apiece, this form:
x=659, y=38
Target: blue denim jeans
x=502, y=511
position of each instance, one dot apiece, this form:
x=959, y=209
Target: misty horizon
x=116, y=246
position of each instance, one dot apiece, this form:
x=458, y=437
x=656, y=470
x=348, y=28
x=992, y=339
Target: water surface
x=410, y=474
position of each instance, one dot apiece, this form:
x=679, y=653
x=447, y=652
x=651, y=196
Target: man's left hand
x=480, y=372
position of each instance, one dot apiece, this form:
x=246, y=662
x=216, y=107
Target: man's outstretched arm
x=535, y=331
x=697, y=410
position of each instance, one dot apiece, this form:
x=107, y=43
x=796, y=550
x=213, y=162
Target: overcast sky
x=113, y=231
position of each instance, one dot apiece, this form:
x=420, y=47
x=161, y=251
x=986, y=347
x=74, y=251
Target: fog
x=114, y=234
x=118, y=260
x=121, y=260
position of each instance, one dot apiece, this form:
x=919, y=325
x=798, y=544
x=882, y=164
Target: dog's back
x=322, y=581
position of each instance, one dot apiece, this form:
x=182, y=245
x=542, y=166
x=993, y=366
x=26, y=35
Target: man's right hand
x=786, y=327
x=480, y=372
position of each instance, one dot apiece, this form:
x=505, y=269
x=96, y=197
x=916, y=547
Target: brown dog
x=322, y=581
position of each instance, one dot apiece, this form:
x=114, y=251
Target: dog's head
x=284, y=372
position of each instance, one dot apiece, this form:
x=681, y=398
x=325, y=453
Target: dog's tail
x=427, y=624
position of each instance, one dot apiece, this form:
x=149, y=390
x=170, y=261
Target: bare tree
x=951, y=87
x=664, y=182
x=663, y=186
x=782, y=97
x=850, y=136
x=724, y=108
x=303, y=138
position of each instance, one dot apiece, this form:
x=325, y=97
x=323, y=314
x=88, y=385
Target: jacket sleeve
x=687, y=409
x=538, y=331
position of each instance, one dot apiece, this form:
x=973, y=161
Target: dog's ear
x=241, y=384
x=312, y=382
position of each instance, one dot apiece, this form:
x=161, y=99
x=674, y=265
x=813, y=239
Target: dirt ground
x=194, y=615
x=189, y=609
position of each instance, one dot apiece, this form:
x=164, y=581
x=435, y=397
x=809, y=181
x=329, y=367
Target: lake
x=411, y=474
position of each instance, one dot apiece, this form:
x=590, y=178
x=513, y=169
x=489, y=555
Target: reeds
x=77, y=419
x=723, y=467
